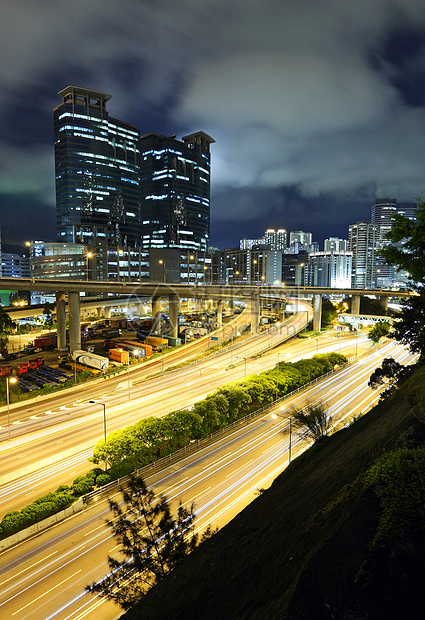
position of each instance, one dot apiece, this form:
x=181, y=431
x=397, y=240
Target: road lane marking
x=25, y=570
x=189, y=501
x=47, y=592
x=241, y=467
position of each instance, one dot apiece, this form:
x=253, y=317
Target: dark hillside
x=294, y=552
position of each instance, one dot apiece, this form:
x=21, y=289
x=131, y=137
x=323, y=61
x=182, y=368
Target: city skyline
x=316, y=108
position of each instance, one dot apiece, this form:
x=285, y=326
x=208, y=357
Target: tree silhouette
x=153, y=542
x=315, y=418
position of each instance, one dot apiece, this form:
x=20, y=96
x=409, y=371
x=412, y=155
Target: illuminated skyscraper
x=275, y=239
x=175, y=191
x=383, y=210
x=363, y=243
x=97, y=164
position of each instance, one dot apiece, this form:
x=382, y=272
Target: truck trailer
x=91, y=359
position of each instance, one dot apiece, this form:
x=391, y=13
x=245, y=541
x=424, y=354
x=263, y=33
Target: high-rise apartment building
x=334, y=244
x=382, y=212
x=175, y=191
x=363, y=243
x=329, y=269
x=299, y=240
x=97, y=164
x=275, y=239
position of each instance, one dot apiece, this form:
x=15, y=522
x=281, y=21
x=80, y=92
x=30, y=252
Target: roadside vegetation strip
x=151, y=440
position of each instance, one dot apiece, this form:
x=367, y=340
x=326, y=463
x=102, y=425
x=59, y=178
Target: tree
x=48, y=310
x=6, y=327
x=315, y=417
x=378, y=330
x=329, y=312
x=407, y=247
x=390, y=373
x=152, y=540
x=407, y=251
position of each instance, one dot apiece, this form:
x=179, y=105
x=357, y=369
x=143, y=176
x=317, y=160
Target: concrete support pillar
x=317, y=313
x=383, y=301
x=156, y=313
x=74, y=322
x=61, y=320
x=173, y=307
x=255, y=313
x=219, y=313
x=99, y=311
x=139, y=309
x=355, y=304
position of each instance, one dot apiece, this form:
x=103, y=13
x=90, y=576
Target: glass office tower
x=175, y=191
x=97, y=164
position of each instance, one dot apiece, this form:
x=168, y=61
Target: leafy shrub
x=103, y=479
x=83, y=484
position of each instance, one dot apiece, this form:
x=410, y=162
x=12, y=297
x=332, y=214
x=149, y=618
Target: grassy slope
x=282, y=557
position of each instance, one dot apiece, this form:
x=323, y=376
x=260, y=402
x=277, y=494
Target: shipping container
x=173, y=342
x=157, y=343
x=118, y=355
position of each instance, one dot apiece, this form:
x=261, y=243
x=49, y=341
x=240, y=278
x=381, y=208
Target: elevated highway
x=68, y=299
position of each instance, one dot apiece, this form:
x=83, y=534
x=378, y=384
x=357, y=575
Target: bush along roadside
x=50, y=504
x=150, y=439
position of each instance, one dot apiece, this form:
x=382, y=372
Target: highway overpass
x=68, y=292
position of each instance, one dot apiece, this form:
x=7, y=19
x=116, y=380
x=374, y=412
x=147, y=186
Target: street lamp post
x=244, y=359
x=11, y=380
x=162, y=262
x=89, y=255
x=277, y=376
x=290, y=437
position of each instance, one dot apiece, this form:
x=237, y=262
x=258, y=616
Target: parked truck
x=112, y=332
x=91, y=359
x=144, y=350
x=48, y=341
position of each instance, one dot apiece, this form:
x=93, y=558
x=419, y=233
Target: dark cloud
x=316, y=107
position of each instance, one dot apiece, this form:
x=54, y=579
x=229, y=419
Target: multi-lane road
x=44, y=578
x=63, y=437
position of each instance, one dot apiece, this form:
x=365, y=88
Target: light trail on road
x=223, y=477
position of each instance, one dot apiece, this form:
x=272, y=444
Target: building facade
x=14, y=266
x=329, y=269
x=363, y=243
x=97, y=166
x=254, y=267
x=275, y=239
x=383, y=211
x=175, y=191
x=300, y=241
x=334, y=244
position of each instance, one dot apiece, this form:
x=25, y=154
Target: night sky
x=316, y=106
